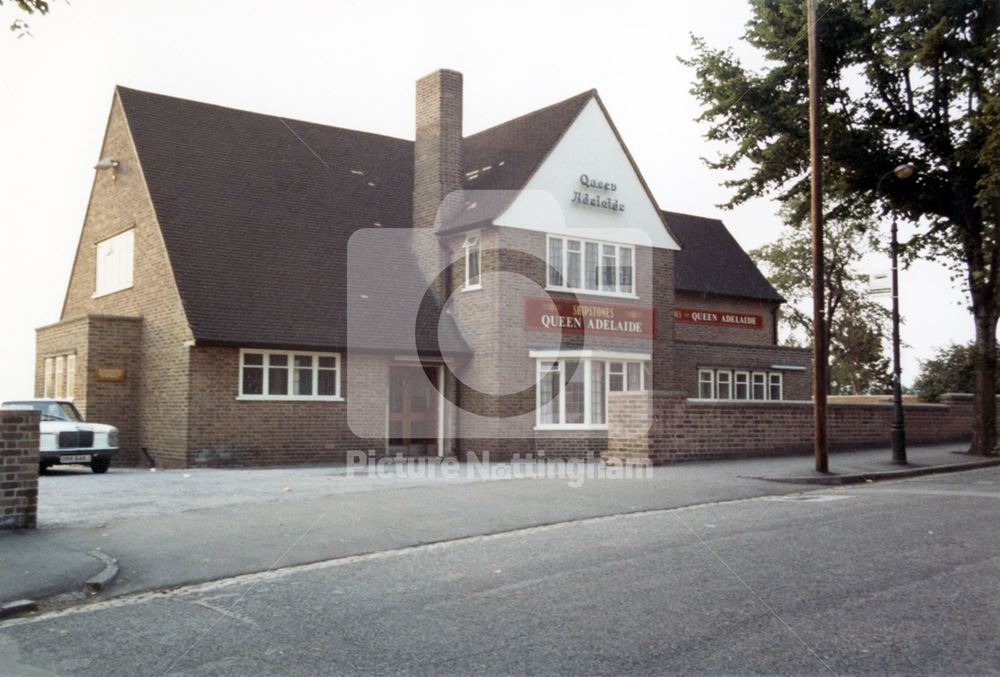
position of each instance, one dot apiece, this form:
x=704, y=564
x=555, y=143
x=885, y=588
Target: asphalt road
x=893, y=578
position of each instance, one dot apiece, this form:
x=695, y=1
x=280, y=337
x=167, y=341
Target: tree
x=951, y=370
x=858, y=324
x=20, y=26
x=913, y=81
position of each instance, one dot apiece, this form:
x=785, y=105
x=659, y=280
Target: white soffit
x=552, y=201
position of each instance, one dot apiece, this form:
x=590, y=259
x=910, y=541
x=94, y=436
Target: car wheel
x=100, y=465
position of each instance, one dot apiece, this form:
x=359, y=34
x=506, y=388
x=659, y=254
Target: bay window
x=548, y=393
x=583, y=265
x=289, y=375
x=573, y=392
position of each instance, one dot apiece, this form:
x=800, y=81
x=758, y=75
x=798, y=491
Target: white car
x=65, y=438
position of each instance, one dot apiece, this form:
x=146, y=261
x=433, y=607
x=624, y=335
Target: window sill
x=475, y=287
x=591, y=292
x=706, y=400
x=97, y=295
x=289, y=398
x=556, y=427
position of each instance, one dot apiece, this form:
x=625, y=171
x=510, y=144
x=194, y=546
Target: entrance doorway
x=413, y=410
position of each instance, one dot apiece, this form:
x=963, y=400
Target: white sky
x=353, y=64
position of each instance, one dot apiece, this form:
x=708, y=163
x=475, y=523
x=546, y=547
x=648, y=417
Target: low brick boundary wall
x=667, y=427
x=18, y=469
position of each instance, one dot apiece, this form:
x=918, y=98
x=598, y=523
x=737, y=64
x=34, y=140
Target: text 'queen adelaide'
x=596, y=199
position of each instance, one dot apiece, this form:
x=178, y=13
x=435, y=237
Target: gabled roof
x=256, y=212
x=711, y=261
x=504, y=157
x=499, y=161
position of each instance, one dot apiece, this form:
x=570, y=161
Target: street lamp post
x=904, y=171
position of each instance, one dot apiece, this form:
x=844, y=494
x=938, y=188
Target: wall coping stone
x=808, y=403
x=90, y=316
x=748, y=346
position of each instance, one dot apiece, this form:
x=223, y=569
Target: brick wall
x=99, y=341
x=67, y=337
x=763, y=336
x=116, y=206
x=225, y=431
x=691, y=356
x=665, y=427
x=498, y=381
x=18, y=469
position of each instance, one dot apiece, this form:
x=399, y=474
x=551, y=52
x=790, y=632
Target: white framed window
x=616, y=376
x=60, y=376
x=706, y=384
x=598, y=392
x=572, y=393
x=70, y=376
x=603, y=268
x=115, y=262
x=289, y=375
x=724, y=384
x=776, y=386
x=548, y=393
x=727, y=384
x=473, y=263
x=49, y=389
x=741, y=385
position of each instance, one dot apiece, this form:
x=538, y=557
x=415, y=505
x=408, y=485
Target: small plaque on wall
x=110, y=374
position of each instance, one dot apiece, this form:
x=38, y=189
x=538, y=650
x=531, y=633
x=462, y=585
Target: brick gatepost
x=18, y=469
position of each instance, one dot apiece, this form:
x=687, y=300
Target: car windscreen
x=50, y=411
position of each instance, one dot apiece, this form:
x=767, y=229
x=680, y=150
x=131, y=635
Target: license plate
x=78, y=458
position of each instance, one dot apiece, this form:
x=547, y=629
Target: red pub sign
x=723, y=318
x=616, y=319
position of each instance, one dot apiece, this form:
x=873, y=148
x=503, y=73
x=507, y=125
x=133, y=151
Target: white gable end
x=587, y=188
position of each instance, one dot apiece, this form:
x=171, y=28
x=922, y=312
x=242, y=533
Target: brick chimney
x=437, y=151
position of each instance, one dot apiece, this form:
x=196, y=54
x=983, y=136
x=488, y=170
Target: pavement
x=886, y=578
x=874, y=465
x=172, y=528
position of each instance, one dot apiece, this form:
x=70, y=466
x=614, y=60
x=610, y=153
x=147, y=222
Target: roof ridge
x=581, y=95
x=668, y=212
x=144, y=92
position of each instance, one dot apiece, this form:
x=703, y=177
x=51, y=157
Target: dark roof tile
x=256, y=212
x=711, y=261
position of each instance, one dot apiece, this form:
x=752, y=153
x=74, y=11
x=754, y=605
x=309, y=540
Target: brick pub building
x=213, y=316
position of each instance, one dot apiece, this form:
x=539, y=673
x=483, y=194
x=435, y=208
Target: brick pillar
x=665, y=365
x=645, y=427
x=437, y=162
x=629, y=418
x=18, y=469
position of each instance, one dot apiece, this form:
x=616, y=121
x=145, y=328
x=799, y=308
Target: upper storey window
x=591, y=267
x=114, y=263
x=472, y=263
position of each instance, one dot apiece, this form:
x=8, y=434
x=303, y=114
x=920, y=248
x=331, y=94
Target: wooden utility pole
x=816, y=209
